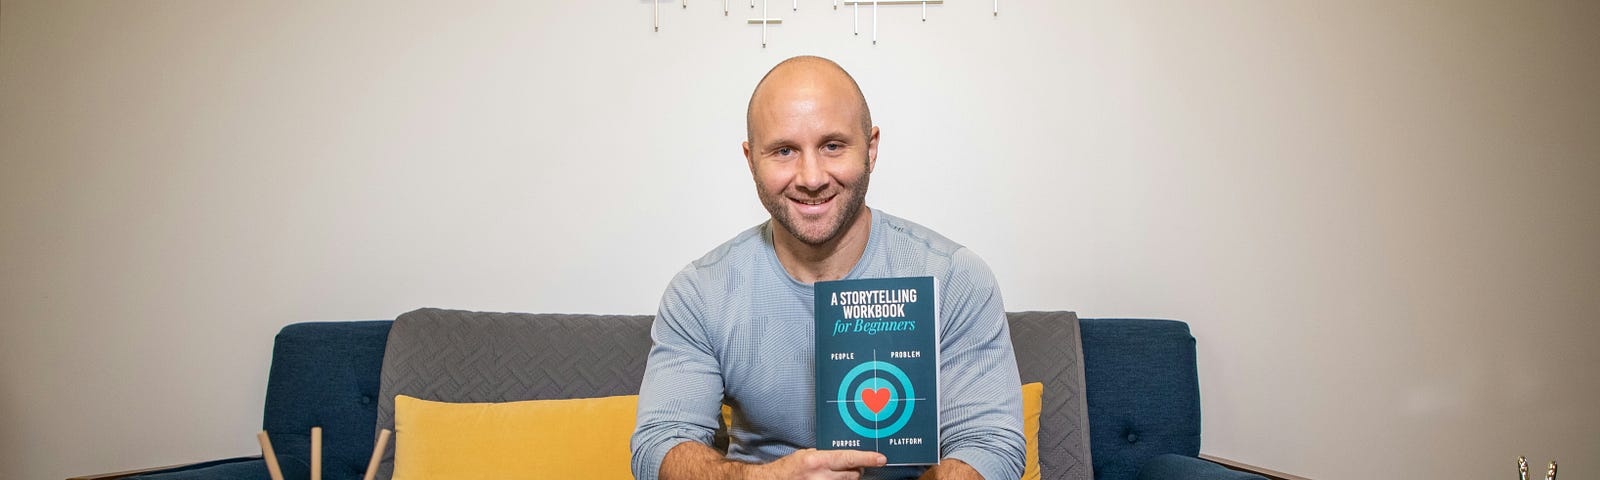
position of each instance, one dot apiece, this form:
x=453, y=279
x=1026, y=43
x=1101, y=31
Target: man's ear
x=749, y=160
x=872, y=150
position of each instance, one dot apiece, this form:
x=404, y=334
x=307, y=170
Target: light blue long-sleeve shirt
x=735, y=327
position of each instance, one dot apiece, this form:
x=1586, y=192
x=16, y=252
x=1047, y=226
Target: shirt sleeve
x=981, y=397
x=681, y=396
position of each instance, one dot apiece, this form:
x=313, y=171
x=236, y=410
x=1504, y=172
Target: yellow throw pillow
x=1032, y=402
x=579, y=438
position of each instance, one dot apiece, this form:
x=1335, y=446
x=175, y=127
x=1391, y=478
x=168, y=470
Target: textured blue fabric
x=325, y=374
x=1143, y=393
x=1178, y=467
x=243, y=468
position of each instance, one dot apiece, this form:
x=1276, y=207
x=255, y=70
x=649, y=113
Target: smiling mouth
x=812, y=206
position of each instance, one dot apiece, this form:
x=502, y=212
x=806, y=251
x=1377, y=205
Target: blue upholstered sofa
x=1140, y=392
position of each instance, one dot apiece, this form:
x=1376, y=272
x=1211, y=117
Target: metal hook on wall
x=875, y=3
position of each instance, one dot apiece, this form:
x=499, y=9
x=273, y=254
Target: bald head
x=805, y=76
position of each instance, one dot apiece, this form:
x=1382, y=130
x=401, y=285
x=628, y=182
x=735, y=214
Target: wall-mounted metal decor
x=855, y=5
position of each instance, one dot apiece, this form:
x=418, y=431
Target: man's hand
x=694, y=461
x=811, y=464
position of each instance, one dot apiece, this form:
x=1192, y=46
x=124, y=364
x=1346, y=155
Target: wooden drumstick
x=316, y=453
x=377, y=454
x=269, y=456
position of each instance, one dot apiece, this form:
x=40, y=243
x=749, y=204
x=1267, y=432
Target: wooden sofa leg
x=1243, y=467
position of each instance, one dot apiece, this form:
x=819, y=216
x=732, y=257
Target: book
x=877, y=355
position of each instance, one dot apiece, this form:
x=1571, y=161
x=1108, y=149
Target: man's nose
x=811, y=177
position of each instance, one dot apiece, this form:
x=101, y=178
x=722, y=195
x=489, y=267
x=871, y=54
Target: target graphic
x=877, y=359
x=876, y=399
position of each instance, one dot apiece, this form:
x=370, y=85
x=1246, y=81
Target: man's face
x=809, y=156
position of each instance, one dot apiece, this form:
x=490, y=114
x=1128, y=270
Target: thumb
x=842, y=460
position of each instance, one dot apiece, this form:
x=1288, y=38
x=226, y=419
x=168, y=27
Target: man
x=736, y=326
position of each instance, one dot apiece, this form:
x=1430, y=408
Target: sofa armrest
x=1236, y=466
x=1173, y=466
x=179, y=467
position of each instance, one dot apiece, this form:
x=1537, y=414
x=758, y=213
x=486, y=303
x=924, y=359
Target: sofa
x=1121, y=396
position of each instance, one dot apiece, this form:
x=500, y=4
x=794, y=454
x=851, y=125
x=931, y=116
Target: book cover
x=878, y=367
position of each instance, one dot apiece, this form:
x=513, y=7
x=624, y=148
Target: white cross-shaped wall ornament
x=767, y=20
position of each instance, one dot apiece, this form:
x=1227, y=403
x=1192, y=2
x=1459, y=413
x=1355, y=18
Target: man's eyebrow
x=836, y=137
x=775, y=143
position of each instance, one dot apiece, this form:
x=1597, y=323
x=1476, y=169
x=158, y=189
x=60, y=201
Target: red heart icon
x=875, y=399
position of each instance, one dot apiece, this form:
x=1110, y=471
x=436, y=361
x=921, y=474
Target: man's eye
x=785, y=151
x=833, y=147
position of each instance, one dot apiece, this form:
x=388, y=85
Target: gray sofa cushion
x=1049, y=351
x=459, y=356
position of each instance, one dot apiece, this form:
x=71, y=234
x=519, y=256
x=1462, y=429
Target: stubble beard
x=778, y=206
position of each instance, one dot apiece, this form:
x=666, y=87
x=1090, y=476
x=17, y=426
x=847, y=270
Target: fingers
x=842, y=460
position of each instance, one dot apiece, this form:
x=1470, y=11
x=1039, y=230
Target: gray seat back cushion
x=1049, y=351
x=460, y=356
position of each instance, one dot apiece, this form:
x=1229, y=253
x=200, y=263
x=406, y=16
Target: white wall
x=1379, y=217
